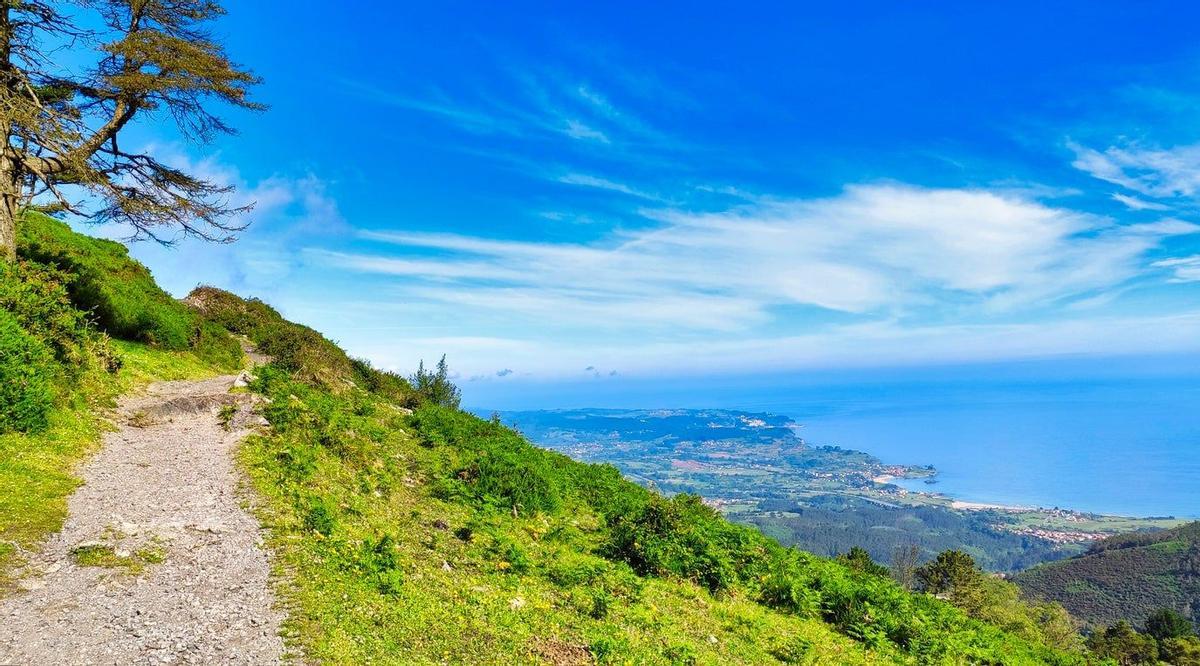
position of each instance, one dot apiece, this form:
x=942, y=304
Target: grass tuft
x=108, y=557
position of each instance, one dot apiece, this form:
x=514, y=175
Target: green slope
x=1125, y=577
x=408, y=531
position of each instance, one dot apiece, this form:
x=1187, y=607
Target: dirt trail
x=161, y=502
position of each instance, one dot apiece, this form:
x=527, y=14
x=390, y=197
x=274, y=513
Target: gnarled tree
x=63, y=121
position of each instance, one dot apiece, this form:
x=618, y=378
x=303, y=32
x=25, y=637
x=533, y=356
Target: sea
x=1120, y=447
x=1119, y=438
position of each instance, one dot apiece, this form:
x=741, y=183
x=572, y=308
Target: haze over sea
x=1119, y=437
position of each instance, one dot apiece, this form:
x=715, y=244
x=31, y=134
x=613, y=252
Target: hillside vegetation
x=408, y=531
x=1126, y=577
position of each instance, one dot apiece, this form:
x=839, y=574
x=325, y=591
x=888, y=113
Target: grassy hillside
x=1126, y=577
x=408, y=531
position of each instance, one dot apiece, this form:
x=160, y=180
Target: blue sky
x=555, y=195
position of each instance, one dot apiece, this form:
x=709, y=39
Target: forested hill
x=1126, y=577
x=406, y=530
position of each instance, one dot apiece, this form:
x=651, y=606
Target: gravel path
x=186, y=579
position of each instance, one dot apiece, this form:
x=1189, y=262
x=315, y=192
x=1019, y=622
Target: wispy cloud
x=588, y=180
x=1183, y=269
x=577, y=130
x=1134, y=203
x=874, y=250
x=1151, y=171
x=531, y=102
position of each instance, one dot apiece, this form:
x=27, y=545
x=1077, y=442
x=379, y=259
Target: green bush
x=679, y=537
x=788, y=588
x=119, y=293
x=212, y=343
x=797, y=650
x=434, y=386
x=37, y=298
x=387, y=385
x=26, y=368
x=321, y=517
x=497, y=467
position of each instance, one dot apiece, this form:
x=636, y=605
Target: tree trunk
x=9, y=211
x=9, y=182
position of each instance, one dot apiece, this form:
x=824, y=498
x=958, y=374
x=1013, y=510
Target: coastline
x=985, y=506
x=1056, y=524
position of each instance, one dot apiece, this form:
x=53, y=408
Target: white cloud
x=1154, y=172
x=1183, y=269
x=577, y=130
x=1134, y=203
x=878, y=251
x=587, y=180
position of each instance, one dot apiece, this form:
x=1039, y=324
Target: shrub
x=797, y=650
x=512, y=556
x=787, y=588
x=497, y=466
x=678, y=537
x=952, y=572
x=1166, y=623
x=37, y=298
x=860, y=560
x=1123, y=644
x=377, y=562
x=213, y=344
x=320, y=517
x=1182, y=651
x=388, y=385
x=434, y=386
x=26, y=367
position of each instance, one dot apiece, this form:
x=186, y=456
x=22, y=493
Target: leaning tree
x=75, y=75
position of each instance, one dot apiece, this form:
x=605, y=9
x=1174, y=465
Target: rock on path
x=164, y=486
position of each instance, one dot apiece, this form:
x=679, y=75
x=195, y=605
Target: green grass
x=142, y=365
x=108, y=557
